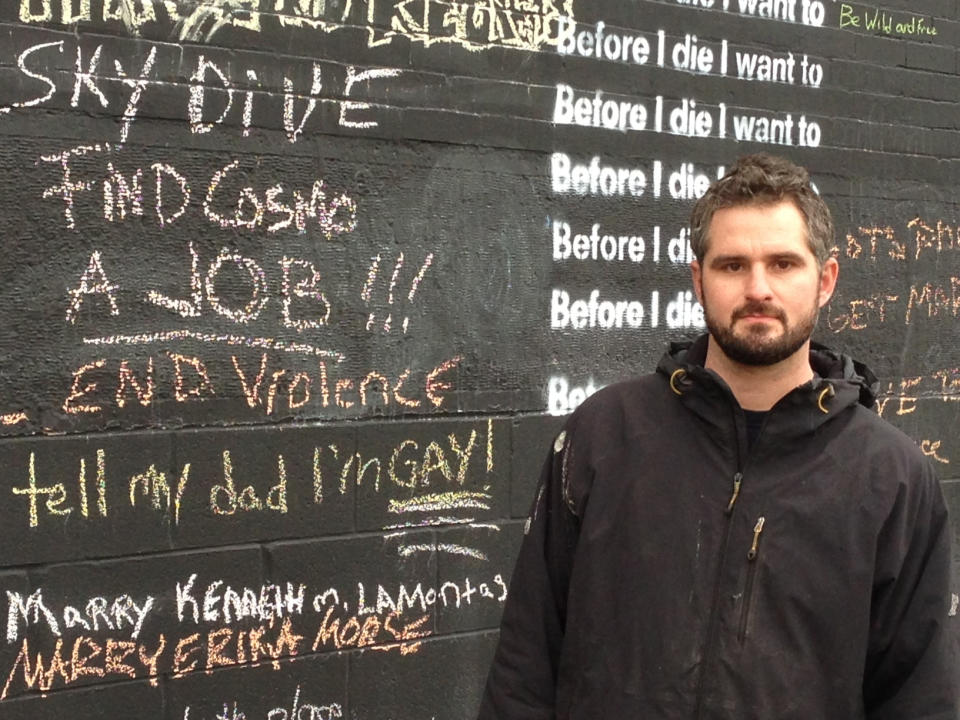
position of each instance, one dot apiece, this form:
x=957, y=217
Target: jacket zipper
x=752, y=554
x=737, y=481
x=713, y=627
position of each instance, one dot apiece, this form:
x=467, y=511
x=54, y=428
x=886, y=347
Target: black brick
x=114, y=701
x=411, y=688
x=533, y=438
x=931, y=57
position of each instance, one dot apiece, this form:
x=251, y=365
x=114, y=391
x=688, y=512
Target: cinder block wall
x=295, y=294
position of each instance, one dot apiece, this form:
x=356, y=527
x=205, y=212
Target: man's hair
x=763, y=179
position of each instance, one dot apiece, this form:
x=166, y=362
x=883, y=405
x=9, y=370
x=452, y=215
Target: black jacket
x=668, y=571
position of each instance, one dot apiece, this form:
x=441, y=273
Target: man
x=738, y=535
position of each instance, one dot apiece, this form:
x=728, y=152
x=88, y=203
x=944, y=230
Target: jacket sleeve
x=912, y=662
x=522, y=679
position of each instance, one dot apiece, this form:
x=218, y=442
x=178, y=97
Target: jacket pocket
x=752, y=562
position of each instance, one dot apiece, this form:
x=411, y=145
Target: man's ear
x=828, y=280
x=696, y=275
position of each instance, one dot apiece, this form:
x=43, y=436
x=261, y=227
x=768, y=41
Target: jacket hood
x=839, y=380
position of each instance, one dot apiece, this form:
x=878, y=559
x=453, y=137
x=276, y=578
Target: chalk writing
x=92, y=282
x=90, y=393
x=56, y=493
x=235, y=626
x=225, y=500
x=875, y=20
x=13, y=418
x=426, y=522
x=930, y=448
x=154, y=485
x=245, y=207
x=525, y=24
x=421, y=467
x=240, y=340
x=920, y=237
x=87, y=658
x=180, y=655
x=213, y=80
x=302, y=301
x=222, y=604
x=942, y=384
x=194, y=19
x=299, y=295
x=372, y=273
x=940, y=300
x=442, y=501
x=917, y=240
x=448, y=548
x=325, y=712
x=21, y=64
x=221, y=601
x=98, y=612
x=903, y=396
x=69, y=187
x=298, y=711
x=421, y=598
x=112, y=659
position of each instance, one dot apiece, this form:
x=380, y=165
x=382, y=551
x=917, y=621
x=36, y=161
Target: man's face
x=759, y=283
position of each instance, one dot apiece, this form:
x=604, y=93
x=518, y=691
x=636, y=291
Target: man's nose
x=758, y=286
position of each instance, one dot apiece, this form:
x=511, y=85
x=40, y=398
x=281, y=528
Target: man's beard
x=757, y=346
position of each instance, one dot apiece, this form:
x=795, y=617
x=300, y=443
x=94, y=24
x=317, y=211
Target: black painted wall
x=294, y=293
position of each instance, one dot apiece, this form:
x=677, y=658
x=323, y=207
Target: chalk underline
x=440, y=501
x=254, y=342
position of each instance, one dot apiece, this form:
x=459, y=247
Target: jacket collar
x=839, y=382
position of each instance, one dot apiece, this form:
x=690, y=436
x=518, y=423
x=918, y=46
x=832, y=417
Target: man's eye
x=784, y=264
x=732, y=267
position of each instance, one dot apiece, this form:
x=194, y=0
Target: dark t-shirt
x=755, y=420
